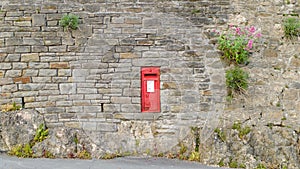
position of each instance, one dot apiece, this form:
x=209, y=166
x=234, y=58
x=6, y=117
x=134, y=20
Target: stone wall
x=90, y=77
x=270, y=107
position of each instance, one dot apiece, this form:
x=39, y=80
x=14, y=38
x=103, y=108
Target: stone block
x=145, y=42
x=95, y=65
x=89, y=126
x=117, y=20
x=38, y=20
x=33, y=41
x=6, y=34
x=30, y=72
x=124, y=49
x=110, y=92
x=51, y=118
x=133, y=20
x=86, y=116
x=8, y=49
x=9, y=88
x=22, y=80
x=52, y=42
x=30, y=87
x=130, y=92
x=75, y=125
x=2, y=43
x=38, y=65
x=86, y=90
x=14, y=41
x=107, y=127
x=151, y=54
x=74, y=109
x=49, y=59
x=111, y=108
x=81, y=102
x=92, y=109
x=46, y=93
x=22, y=23
x=23, y=49
x=151, y=23
x=55, y=98
x=59, y=65
x=128, y=42
x=80, y=72
x=121, y=100
x=47, y=72
x=49, y=8
x=67, y=116
x=129, y=55
x=30, y=57
x=150, y=62
x=131, y=108
x=134, y=10
x=13, y=73
x=64, y=72
x=4, y=66
x=291, y=94
x=130, y=30
x=17, y=66
x=295, y=85
x=29, y=99
x=3, y=57
x=62, y=48
x=93, y=96
x=25, y=94
x=67, y=88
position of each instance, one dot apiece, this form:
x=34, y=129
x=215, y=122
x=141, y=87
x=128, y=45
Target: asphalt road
x=7, y=162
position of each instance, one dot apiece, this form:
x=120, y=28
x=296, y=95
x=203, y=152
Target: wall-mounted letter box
x=150, y=89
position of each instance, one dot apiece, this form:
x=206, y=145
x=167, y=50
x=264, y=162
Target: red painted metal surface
x=150, y=89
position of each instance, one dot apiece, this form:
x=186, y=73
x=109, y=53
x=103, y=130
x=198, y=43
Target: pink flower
x=252, y=29
x=249, y=45
x=258, y=35
x=238, y=31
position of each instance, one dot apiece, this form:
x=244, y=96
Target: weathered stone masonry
x=90, y=78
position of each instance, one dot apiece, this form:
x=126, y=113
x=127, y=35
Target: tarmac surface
x=7, y=162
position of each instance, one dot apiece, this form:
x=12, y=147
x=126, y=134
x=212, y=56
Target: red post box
x=150, y=89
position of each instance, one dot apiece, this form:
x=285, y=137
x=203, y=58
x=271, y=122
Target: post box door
x=150, y=89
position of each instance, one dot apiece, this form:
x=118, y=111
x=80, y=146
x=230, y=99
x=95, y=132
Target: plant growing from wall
x=194, y=156
x=260, y=166
x=41, y=133
x=12, y=107
x=69, y=21
x=25, y=150
x=236, y=81
x=291, y=28
x=237, y=43
x=243, y=131
x=221, y=134
x=84, y=154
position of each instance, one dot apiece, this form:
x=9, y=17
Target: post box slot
x=150, y=75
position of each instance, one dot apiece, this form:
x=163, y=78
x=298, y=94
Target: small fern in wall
x=69, y=21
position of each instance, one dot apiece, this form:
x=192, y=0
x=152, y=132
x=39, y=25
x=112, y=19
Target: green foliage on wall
x=236, y=81
x=291, y=28
x=69, y=21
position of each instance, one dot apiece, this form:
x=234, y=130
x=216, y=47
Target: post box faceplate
x=150, y=89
